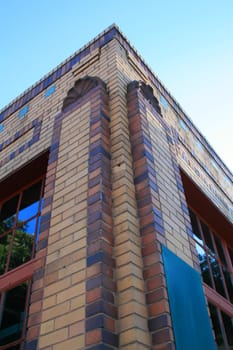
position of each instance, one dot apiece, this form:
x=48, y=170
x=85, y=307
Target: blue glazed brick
x=185, y=208
x=12, y=155
x=153, y=185
x=159, y=228
x=101, y=346
x=93, y=259
x=110, y=338
x=21, y=149
x=101, y=150
x=95, y=322
x=50, y=91
x=1, y=127
x=2, y=116
x=148, y=155
x=75, y=59
x=17, y=134
x=23, y=111
x=147, y=142
x=140, y=178
x=164, y=102
x=32, y=345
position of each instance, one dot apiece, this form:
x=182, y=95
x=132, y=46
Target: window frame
x=216, y=299
x=20, y=192
x=17, y=182
x=20, y=340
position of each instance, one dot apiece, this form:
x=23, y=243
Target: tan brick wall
x=176, y=238
x=132, y=324
x=64, y=292
x=63, y=308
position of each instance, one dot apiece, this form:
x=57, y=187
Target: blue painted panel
x=191, y=323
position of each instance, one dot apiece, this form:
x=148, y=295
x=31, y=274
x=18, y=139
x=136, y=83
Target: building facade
x=116, y=215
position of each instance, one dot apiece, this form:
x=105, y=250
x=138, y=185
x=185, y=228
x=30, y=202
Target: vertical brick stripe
x=101, y=311
x=150, y=220
x=35, y=313
x=184, y=205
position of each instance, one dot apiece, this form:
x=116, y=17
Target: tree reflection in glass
x=204, y=265
x=19, y=224
x=21, y=248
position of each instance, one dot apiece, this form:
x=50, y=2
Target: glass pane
x=207, y=237
x=195, y=227
x=7, y=214
x=220, y=249
x=30, y=227
x=217, y=276
x=204, y=265
x=231, y=255
x=228, y=325
x=228, y=281
x=13, y=314
x=216, y=327
x=30, y=202
x=21, y=249
x=4, y=248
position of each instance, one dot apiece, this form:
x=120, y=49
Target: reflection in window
x=231, y=255
x=212, y=258
x=19, y=226
x=29, y=202
x=195, y=227
x=8, y=213
x=21, y=250
x=204, y=265
x=12, y=310
x=223, y=328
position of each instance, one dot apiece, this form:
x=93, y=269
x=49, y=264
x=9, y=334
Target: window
x=12, y=316
x=216, y=261
x=223, y=328
x=19, y=226
x=21, y=199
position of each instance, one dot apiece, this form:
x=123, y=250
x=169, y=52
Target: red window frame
x=24, y=178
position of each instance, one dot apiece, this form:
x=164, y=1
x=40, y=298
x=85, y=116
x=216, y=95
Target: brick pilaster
x=150, y=219
x=101, y=311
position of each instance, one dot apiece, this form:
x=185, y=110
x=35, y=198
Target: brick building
x=116, y=214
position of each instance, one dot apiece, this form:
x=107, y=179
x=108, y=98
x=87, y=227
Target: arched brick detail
x=148, y=93
x=81, y=88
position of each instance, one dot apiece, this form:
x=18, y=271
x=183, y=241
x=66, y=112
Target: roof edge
x=111, y=32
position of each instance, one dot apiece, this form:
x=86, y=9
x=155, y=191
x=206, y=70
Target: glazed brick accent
x=57, y=73
x=101, y=311
x=184, y=206
x=34, y=317
x=36, y=126
x=150, y=217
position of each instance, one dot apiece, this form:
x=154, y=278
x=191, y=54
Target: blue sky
x=187, y=43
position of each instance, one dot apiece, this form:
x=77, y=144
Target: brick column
x=150, y=215
x=101, y=311
x=73, y=291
